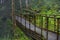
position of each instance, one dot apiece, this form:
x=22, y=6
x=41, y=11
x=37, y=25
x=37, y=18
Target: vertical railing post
x=58, y=24
x=47, y=22
x=54, y=23
x=29, y=21
x=41, y=24
x=25, y=23
x=30, y=24
x=34, y=22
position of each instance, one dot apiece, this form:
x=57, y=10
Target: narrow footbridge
x=38, y=33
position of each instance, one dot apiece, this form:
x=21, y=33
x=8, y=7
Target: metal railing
x=33, y=18
x=50, y=23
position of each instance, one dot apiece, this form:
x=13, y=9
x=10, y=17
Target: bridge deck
x=51, y=35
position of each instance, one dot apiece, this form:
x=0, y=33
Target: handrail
x=43, y=15
x=32, y=11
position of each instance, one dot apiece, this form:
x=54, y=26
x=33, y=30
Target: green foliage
x=22, y=36
x=18, y=31
x=46, y=6
x=8, y=27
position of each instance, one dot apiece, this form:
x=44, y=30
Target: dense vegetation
x=48, y=7
x=6, y=33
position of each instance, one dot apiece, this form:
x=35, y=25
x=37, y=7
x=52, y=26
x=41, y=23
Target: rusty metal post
x=58, y=24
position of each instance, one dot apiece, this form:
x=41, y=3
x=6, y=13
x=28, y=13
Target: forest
x=43, y=7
